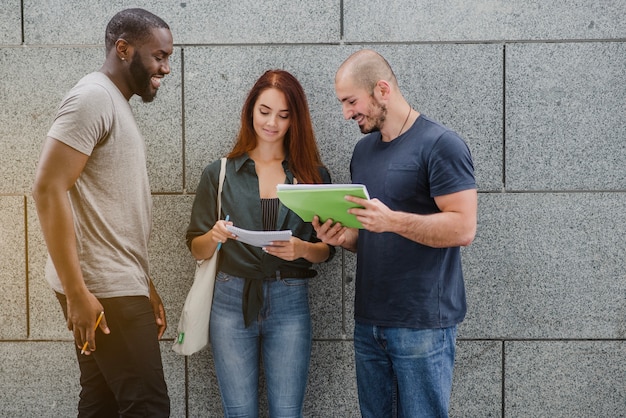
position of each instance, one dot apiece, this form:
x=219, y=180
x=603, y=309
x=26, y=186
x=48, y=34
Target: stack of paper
x=259, y=238
x=327, y=201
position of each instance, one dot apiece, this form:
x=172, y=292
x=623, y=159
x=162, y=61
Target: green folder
x=324, y=200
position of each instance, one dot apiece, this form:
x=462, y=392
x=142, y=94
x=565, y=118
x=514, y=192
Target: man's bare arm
x=57, y=171
x=454, y=226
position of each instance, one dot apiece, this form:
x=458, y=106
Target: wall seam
x=504, y=117
x=183, y=132
x=22, y=21
x=341, y=26
x=344, y=282
x=187, y=386
x=503, y=388
x=26, y=269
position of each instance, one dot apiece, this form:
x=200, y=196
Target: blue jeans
x=124, y=376
x=281, y=335
x=404, y=371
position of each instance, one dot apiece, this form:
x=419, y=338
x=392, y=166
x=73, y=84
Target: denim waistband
x=291, y=274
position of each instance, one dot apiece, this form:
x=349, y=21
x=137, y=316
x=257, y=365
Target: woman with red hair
x=260, y=304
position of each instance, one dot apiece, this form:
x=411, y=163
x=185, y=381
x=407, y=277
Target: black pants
x=124, y=376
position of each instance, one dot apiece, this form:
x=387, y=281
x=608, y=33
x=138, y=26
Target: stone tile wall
x=536, y=88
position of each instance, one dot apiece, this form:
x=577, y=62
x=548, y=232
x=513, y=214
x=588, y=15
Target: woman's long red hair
x=300, y=146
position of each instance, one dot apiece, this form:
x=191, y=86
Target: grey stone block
x=13, y=272
x=10, y=23
x=547, y=266
x=244, y=22
x=565, y=379
x=36, y=98
x=38, y=379
x=331, y=391
x=477, y=383
x=421, y=21
x=564, y=121
x=191, y=22
x=438, y=86
x=41, y=379
x=83, y=23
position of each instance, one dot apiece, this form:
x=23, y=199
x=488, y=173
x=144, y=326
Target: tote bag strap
x=220, y=186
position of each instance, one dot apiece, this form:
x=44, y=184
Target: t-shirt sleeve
x=84, y=118
x=451, y=167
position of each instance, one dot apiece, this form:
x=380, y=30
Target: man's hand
x=453, y=226
x=159, y=310
x=335, y=234
x=82, y=314
x=374, y=215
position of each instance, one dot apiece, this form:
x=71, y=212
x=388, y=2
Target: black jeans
x=124, y=376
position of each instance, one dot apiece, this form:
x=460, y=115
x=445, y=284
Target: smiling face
x=150, y=63
x=373, y=119
x=270, y=116
x=358, y=104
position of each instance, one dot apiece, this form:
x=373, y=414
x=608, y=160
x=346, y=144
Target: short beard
x=142, y=79
x=377, y=121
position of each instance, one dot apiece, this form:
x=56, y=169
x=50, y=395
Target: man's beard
x=374, y=123
x=142, y=78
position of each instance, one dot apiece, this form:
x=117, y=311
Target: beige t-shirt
x=111, y=199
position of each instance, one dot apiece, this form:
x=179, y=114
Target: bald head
x=364, y=69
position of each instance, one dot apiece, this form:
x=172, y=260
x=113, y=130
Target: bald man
x=410, y=294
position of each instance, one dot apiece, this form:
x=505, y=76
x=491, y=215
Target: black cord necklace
x=405, y=121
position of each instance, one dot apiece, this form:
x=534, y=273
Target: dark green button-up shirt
x=241, y=201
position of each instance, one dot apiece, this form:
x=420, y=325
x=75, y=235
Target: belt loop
x=277, y=275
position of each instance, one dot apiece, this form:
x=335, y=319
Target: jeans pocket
x=294, y=282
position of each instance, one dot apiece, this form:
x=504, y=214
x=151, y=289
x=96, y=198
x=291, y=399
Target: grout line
x=22, y=22
x=503, y=391
x=26, y=267
x=182, y=117
x=186, y=386
x=343, y=292
x=341, y=17
x=503, y=117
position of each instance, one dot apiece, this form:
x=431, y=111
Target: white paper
x=259, y=238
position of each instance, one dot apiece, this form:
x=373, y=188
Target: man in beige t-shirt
x=94, y=205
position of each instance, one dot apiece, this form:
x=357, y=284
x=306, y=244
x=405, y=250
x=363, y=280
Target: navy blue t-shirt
x=399, y=282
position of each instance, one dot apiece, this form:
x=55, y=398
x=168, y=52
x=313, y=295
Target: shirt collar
x=244, y=158
x=240, y=161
